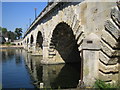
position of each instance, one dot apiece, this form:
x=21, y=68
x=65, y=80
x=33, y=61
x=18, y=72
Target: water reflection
x=53, y=76
x=14, y=73
x=6, y=53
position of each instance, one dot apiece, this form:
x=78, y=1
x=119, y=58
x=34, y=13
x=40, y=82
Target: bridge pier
x=36, y=50
x=29, y=48
x=90, y=58
x=45, y=53
x=25, y=46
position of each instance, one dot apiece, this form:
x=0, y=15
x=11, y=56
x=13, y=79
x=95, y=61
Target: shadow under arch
x=31, y=39
x=39, y=40
x=65, y=44
x=68, y=77
x=27, y=41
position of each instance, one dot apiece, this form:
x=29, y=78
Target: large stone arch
x=64, y=45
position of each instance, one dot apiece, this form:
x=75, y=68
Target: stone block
x=109, y=39
x=108, y=68
x=115, y=14
x=78, y=34
x=108, y=77
x=105, y=77
x=76, y=26
x=118, y=4
x=90, y=66
x=52, y=53
x=80, y=38
x=74, y=21
x=106, y=48
x=92, y=41
x=110, y=27
x=51, y=50
x=106, y=60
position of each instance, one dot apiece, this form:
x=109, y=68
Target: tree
x=4, y=31
x=18, y=32
x=11, y=36
x=0, y=30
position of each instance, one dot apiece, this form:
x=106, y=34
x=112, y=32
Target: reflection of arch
x=63, y=41
x=70, y=79
x=39, y=40
x=31, y=39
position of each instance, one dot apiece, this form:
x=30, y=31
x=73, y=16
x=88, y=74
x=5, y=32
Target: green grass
x=7, y=44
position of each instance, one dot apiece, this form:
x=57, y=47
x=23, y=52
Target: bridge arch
x=31, y=39
x=27, y=40
x=39, y=39
x=64, y=43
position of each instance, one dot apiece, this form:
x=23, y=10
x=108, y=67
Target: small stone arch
x=27, y=40
x=31, y=39
x=39, y=40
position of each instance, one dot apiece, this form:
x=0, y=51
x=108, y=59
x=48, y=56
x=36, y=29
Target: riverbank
x=11, y=46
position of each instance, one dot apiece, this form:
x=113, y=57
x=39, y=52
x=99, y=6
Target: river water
x=23, y=70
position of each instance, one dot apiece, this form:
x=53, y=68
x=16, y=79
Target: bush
x=13, y=44
x=102, y=85
x=7, y=43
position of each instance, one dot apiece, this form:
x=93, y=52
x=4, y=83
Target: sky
x=18, y=14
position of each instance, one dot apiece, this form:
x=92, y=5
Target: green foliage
x=13, y=44
x=18, y=32
x=7, y=43
x=5, y=33
x=11, y=36
x=102, y=85
x=0, y=28
x=4, y=30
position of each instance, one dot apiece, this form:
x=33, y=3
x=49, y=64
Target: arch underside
x=64, y=43
x=27, y=40
x=31, y=39
x=39, y=40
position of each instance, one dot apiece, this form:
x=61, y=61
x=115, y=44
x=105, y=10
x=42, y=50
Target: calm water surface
x=22, y=70
x=14, y=72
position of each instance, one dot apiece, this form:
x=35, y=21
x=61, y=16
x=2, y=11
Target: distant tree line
x=17, y=34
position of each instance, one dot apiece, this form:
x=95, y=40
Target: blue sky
x=0, y=14
x=17, y=14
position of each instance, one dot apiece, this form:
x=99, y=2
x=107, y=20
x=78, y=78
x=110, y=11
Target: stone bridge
x=18, y=42
x=84, y=32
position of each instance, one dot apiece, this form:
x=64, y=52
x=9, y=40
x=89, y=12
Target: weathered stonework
x=94, y=27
